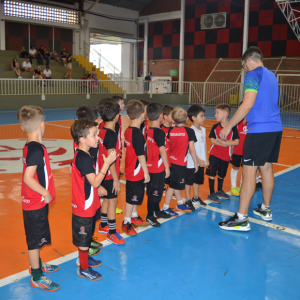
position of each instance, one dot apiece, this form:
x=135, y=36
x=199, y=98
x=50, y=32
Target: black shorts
x=37, y=228
x=135, y=191
x=82, y=228
x=217, y=166
x=177, y=177
x=108, y=185
x=236, y=160
x=192, y=177
x=260, y=148
x=155, y=187
x=167, y=180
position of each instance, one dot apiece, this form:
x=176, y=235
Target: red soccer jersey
x=242, y=131
x=108, y=140
x=35, y=154
x=167, y=141
x=179, y=139
x=120, y=133
x=135, y=146
x=155, y=140
x=144, y=129
x=85, y=199
x=94, y=155
x=223, y=153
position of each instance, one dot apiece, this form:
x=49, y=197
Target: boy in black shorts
x=136, y=170
x=182, y=140
x=157, y=163
x=220, y=153
x=109, y=142
x=37, y=192
x=85, y=199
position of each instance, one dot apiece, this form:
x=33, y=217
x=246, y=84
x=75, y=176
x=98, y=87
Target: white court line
x=277, y=164
x=57, y=125
x=66, y=258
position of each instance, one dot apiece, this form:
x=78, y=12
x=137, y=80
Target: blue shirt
x=264, y=116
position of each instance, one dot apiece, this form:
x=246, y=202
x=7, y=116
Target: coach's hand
x=224, y=133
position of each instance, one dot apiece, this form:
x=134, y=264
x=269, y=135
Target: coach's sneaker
x=95, y=244
x=234, y=223
x=89, y=274
x=214, y=198
x=118, y=210
x=139, y=222
x=198, y=201
x=170, y=212
x=183, y=207
x=152, y=221
x=45, y=284
x=222, y=195
x=189, y=204
x=161, y=215
x=129, y=229
x=92, y=262
x=94, y=251
x=235, y=192
x=115, y=238
x=265, y=214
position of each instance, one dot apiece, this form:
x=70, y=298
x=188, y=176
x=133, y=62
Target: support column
x=245, y=44
x=145, y=68
x=181, y=47
x=135, y=62
x=2, y=34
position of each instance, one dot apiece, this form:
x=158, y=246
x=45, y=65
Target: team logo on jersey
x=82, y=230
x=134, y=198
x=43, y=240
x=245, y=129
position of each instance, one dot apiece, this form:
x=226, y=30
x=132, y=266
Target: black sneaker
x=162, y=214
x=258, y=186
x=265, y=214
x=153, y=222
x=189, y=204
x=234, y=223
x=198, y=201
x=214, y=198
x=95, y=244
x=222, y=195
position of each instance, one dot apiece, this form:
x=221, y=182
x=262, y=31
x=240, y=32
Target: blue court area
x=190, y=257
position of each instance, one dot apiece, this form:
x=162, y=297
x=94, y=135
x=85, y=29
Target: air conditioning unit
x=213, y=21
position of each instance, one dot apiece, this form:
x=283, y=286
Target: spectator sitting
x=37, y=74
x=64, y=56
x=26, y=66
x=47, y=55
x=69, y=65
x=47, y=73
x=24, y=53
x=15, y=68
x=32, y=53
x=55, y=56
x=41, y=56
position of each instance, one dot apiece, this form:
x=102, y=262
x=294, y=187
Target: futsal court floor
x=188, y=257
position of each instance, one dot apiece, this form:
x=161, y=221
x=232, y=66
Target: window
x=37, y=12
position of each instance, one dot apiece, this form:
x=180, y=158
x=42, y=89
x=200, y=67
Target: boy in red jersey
x=220, y=152
x=144, y=125
x=37, y=192
x=182, y=141
x=136, y=170
x=85, y=199
x=157, y=163
x=109, y=142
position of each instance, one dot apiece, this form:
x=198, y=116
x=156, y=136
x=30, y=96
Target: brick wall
x=197, y=70
x=158, y=7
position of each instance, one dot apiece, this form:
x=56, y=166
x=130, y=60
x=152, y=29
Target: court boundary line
x=23, y=274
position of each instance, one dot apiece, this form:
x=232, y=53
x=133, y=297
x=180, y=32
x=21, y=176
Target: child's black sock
x=220, y=184
x=112, y=226
x=211, y=186
x=150, y=206
x=103, y=220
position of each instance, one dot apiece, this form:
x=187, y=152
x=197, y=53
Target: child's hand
x=48, y=198
x=202, y=163
x=110, y=159
x=196, y=168
x=116, y=187
x=102, y=191
x=147, y=177
x=167, y=173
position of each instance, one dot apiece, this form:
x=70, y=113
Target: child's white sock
x=127, y=220
x=241, y=217
x=134, y=215
x=233, y=177
x=179, y=202
x=165, y=207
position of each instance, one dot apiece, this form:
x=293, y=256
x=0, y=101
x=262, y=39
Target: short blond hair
x=179, y=114
x=30, y=117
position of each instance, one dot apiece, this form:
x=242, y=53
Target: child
x=135, y=167
x=237, y=157
x=182, y=140
x=197, y=115
x=220, y=153
x=144, y=125
x=85, y=199
x=37, y=192
x=157, y=163
x=108, y=143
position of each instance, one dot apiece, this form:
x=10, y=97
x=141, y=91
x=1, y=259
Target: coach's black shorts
x=108, y=185
x=192, y=177
x=155, y=187
x=135, y=191
x=177, y=177
x=82, y=228
x=236, y=160
x=217, y=166
x=37, y=228
x=260, y=148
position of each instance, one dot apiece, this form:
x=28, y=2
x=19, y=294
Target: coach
x=262, y=144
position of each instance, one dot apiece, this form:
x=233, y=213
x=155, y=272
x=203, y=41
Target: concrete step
x=9, y=53
x=28, y=75
x=9, y=59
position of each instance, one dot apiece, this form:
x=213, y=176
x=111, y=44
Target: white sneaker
x=20, y=77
